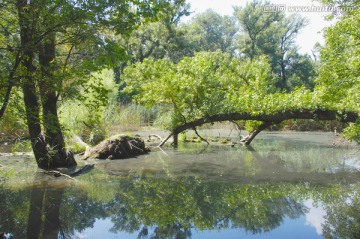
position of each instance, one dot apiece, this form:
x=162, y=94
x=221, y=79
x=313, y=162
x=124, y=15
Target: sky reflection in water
x=286, y=186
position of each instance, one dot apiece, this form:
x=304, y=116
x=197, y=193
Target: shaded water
x=294, y=185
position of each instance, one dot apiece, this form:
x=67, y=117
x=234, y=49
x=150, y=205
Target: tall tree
x=209, y=31
x=287, y=30
x=254, y=24
x=60, y=40
x=273, y=34
x=160, y=39
x=339, y=80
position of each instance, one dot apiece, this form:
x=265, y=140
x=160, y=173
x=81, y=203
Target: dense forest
x=89, y=68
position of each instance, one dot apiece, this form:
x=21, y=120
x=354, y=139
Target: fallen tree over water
x=215, y=87
x=266, y=119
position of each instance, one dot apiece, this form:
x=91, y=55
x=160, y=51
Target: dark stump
x=117, y=147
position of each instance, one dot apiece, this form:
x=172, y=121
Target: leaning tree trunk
x=58, y=156
x=48, y=85
x=32, y=107
x=33, y=122
x=249, y=138
x=268, y=120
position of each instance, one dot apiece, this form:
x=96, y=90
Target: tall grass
x=86, y=116
x=94, y=122
x=132, y=117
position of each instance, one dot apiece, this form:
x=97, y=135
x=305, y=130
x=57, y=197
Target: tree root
x=57, y=174
x=83, y=169
x=70, y=175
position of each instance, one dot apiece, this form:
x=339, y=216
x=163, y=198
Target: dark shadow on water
x=44, y=212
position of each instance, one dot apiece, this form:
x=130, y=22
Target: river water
x=287, y=185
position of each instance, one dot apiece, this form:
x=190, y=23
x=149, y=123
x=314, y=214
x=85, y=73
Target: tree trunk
x=283, y=76
x=6, y=99
x=175, y=139
x=32, y=107
x=247, y=139
x=48, y=86
x=50, y=151
x=33, y=122
x=53, y=134
x=268, y=119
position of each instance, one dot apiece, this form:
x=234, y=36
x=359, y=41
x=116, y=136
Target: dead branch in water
x=202, y=139
x=57, y=174
x=166, y=139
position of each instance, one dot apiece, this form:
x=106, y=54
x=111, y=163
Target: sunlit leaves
x=339, y=81
x=213, y=83
x=196, y=87
x=209, y=31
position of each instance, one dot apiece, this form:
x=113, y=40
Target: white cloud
x=315, y=217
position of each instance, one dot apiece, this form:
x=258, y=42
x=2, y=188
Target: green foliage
x=273, y=34
x=256, y=26
x=88, y=117
x=212, y=83
x=183, y=137
x=209, y=31
x=156, y=39
x=21, y=146
x=56, y=45
x=353, y=132
x=178, y=89
x=132, y=117
x=13, y=122
x=339, y=81
x=251, y=125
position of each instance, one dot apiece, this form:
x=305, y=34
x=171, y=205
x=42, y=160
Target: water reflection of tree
x=174, y=207
x=12, y=207
x=342, y=218
x=47, y=209
x=44, y=212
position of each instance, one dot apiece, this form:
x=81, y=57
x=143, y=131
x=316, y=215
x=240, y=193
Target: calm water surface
x=296, y=185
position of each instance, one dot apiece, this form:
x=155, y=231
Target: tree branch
x=11, y=84
x=270, y=119
x=202, y=139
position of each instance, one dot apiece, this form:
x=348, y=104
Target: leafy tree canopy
x=213, y=83
x=339, y=80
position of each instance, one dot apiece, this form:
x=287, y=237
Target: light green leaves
x=201, y=86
